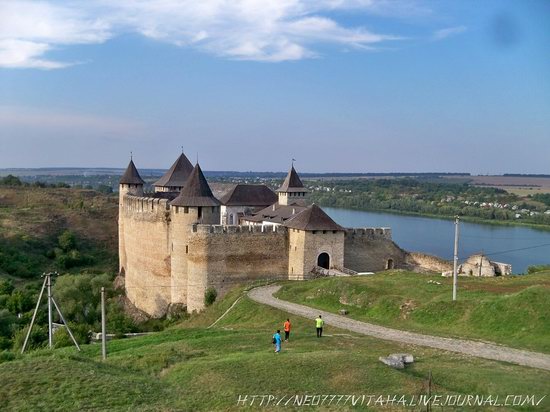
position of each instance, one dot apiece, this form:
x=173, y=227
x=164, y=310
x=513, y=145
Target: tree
x=67, y=240
x=11, y=180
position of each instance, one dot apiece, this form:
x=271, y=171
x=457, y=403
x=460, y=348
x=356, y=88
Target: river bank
x=470, y=219
x=519, y=246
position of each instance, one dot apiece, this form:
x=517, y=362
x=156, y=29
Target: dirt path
x=479, y=349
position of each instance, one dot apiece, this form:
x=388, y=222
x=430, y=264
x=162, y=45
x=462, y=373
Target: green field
x=190, y=367
x=512, y=310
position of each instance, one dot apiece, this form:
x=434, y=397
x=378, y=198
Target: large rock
x=392, y=362
x=403, y=357
x=397, y=360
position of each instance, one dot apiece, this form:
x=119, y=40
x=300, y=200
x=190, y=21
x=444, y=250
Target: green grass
x=511, y=310
x=190, y=367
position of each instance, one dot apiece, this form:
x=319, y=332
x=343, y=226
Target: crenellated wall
x=170, y=255
x=222, y=256
x=372, y=249
x=305, y=247
x=146, y=240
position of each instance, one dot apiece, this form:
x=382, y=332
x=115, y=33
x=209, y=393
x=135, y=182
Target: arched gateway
x=323, y=260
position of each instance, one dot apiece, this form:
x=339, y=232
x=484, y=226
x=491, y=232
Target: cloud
x=450, y=31
x=261, y=30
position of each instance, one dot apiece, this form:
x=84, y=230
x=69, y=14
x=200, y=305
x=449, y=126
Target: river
x=520, y=246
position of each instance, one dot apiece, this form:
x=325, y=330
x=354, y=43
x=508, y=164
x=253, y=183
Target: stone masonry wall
x=315, y=243
x=182, y=221
x=369, y=250
x=423, y=262
x=222, y=256
x=147, y=244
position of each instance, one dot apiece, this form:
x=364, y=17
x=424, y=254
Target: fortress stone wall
x=223, y=256
x=428, y=263
x=371, y=250
x=306, y=246
x=147, y=243
x=168, y=259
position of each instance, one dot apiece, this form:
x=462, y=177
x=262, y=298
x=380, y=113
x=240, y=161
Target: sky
x=338, y=85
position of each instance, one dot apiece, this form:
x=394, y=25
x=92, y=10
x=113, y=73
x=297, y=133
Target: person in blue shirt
x=277, y=341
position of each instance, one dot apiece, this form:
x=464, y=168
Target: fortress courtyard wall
x=371, y=250
x=146, y=227
x=223, y=256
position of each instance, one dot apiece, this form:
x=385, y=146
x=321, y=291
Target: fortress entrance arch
x=323, y=260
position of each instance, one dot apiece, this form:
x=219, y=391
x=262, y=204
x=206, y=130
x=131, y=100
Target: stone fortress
x=184, y=238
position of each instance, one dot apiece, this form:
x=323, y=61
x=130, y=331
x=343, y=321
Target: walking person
x=277, y=341
x=287, y=326
x=319, y=322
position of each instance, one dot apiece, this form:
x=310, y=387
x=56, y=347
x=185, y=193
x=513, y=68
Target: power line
x=500, y=238
x=516, y=250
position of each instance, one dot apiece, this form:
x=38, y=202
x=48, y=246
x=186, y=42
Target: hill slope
x=189, y=367
x=32, y=219
x=512, y=310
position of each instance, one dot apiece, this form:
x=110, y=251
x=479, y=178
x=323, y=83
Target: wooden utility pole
x=103, y=328
x=455, y=263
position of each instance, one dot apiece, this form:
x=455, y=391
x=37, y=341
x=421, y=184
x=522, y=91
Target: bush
x=6, y=356
x=61, y=338
x=38, y=338
x=7, y=320
x=210, y=296
x=6, y=287
x=20, y=302
x=67, y=240
x=10, y=180
x=537, y=268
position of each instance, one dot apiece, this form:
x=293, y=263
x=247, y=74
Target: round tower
x=130, y=183
x=194, y=205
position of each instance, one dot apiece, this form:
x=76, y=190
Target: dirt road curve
x=479, y=349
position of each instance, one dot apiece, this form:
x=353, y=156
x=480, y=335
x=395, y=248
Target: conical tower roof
x=196, y=191
x=292, y=183
x=313, y=218
x=131, y=175
x=177, y=174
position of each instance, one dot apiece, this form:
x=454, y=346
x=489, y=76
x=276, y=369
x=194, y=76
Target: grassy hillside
x=189, y=367
x=32, y=219
x=512, y=310
x=72, y=231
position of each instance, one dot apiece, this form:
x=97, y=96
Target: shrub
x=210, y=296
x=38, y=338
x=6, y=287
x=537, y=268
x=80, y=332
x=5, y=343
x=20, y=301
x=67, y=240
x=6, y=356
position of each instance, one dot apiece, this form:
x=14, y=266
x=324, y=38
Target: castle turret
x=174, y=179
x=292, y=191
x=195, y=204
x=130, y=183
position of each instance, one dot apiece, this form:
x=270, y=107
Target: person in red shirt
x=287, y=329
